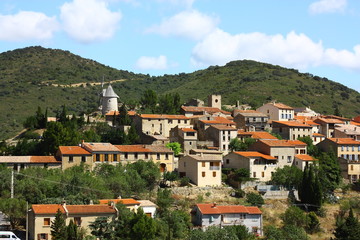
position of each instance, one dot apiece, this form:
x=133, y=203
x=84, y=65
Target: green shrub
x=184, y=181
x=255, y=199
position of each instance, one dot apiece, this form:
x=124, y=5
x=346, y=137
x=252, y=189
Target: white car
x=7, y=235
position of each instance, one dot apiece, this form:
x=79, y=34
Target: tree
x=14, y=210
x=287, y=176
x=175, y=146
x=311, y=148
x=132, y=135
x=329, y=171
x=101, y=228
x=310, y=191
x=164, y=200
x=143, y=227
x=312, y=223
x=72, y=231
x=255, y=199
x=348, y=229
x=170, y=176
x=294, y=216
x=58, y=227
x=237, y=145
x=149, y=100
x=124, y=118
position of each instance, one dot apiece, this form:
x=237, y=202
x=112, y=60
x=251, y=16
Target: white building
x=109, y=100
x=277, y=111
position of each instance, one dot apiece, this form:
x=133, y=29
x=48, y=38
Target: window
x=262, y=174
x=254, y=174
x=106, y=157
x=353, y=148
x=227, y=161
x=347, y=148
x=179, y=121
x=352, y=167
x=97, y=157
x=83, y=158
x=184, y=164
x=43, y=236
x=71, y=159
x=146, y=155
x=203, y=174
x=203, y=164
x=126, y=155
x=77, y=221
x=170, y=121
x=223, y=138
x=342, y=148
x=46, y=221
x=214, y=174
x=190, y=143
x=289, y=159
x=224, y=146
x=158, y=156
x=166, y=156
x=114, y=157
x=136, y=155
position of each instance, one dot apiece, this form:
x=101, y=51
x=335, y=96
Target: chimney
x=214, y=205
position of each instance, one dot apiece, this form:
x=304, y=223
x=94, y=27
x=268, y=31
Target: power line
x=60, y=183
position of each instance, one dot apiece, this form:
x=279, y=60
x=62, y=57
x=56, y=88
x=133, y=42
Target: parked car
x=7, y=235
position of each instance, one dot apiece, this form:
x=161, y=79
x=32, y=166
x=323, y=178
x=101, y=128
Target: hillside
x=37, y=76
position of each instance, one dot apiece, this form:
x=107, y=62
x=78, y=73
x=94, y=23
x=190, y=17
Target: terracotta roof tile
x=132, y=148
x=73, y=150
x=161, y=116
x=277, y=143
x=204, y=109
x=262, y=135
x=355, y=123
x=210, y=209
x=255, y=154
x=296, y=142
x=318, y=135
x=125, y=201
x=100, y=147
x=43, y=159
x=90, y=209
x=187, y=130
x=328, y=120
x=305, y=157
x=47, y=208
x=344, y=141
x=291, y=124
x=218, y=120
x=223, y=127
x=282, y=106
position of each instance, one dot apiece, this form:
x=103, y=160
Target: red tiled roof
x=292, y=124
x=344, y=141
x=255, y=154
x=277, y=143
x=162, y=116
x=262, y=135
x=100, y=147
x=132, y=148
x=305, y=157
x=125, y=201
x=282, y=106
x=111, y=113
x=47, y=208
x=73, y=150
x=89, y=209
x=296, y=142
x=318, y=135
x=328, y=120
x=218, y=120
x=224, y=127
x=188, y=130
x=355, y=123
x=204, y=109
x=43, y=159
x=210, y=209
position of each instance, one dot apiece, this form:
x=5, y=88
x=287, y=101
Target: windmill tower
x=109, y=100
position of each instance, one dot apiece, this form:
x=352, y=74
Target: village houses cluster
x=204, y=132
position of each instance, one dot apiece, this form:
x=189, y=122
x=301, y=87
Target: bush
x=255, y=199
x=312, y=223
x=184, y=181
x=239, y=193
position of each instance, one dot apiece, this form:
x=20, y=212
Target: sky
x=158, y=37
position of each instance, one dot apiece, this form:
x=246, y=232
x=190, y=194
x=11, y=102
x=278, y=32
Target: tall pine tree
x=58, y=227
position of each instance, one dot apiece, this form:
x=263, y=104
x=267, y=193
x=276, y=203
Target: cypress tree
x=58, y=227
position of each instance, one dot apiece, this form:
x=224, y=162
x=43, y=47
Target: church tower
x=109, y=100
x=214, y=101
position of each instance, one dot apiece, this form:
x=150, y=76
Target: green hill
x=37, y=76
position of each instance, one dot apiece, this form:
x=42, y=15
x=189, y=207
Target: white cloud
x=293, y=50
x=89, y=20
x=327, y=6
x=186, y=3
x=26, y=25
x=190, y=24
x=155, y=63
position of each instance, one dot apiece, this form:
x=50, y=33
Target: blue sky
x=159, y=37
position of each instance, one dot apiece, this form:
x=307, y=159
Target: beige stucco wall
x=275, y=113
x=194, y=170
x=76, y=161
x=285, y=155
x=165, y=158
x=162, y=126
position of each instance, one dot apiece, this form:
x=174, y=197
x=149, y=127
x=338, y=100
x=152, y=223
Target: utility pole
x=12, y=184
